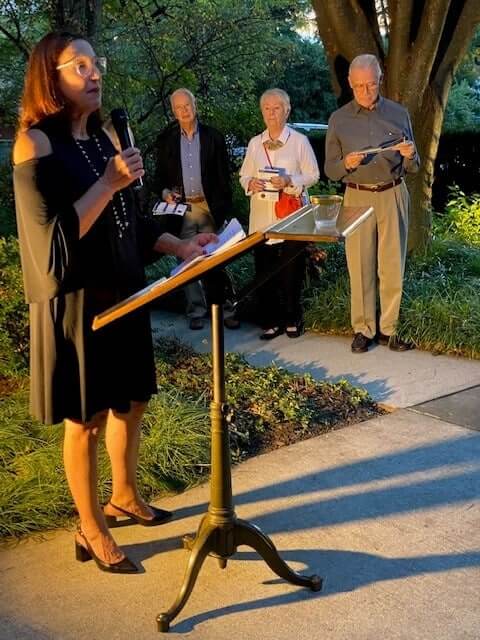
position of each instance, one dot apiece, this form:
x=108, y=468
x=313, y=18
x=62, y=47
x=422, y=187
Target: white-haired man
x=378, y=247
x=192, y=158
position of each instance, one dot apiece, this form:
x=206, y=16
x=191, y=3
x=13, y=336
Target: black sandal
x=297, y=332
x=271, y=333
x=84, y=552
x=160, y=516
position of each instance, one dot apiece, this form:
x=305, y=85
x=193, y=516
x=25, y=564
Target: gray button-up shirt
x=353, y=128
x=191, y=170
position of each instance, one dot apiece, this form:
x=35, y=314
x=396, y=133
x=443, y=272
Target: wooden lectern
x=220, y=532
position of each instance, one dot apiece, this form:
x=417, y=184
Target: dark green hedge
x=458, y=162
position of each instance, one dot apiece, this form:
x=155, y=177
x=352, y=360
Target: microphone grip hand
x=123, y=169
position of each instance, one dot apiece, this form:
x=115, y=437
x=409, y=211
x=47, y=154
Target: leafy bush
x=13, y=312
x=271, y=406
x=440, y=306
x=461, y=217
x=7, y=206
x=326, y=187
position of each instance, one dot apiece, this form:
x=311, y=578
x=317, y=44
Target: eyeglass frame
x=369, y=86
x=95, y=60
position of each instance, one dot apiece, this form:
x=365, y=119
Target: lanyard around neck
x=266, y=151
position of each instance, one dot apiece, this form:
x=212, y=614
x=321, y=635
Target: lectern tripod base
x=222, y=541
x=220, y=531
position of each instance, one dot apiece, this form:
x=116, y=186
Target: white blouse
x=295, y=156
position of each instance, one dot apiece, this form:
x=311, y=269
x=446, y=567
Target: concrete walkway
x=394, y=379
x=388, y=512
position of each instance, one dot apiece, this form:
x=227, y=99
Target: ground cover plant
x=271, y=407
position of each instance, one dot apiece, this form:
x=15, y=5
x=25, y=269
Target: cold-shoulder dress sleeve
x=150, y=229
x=48, y=230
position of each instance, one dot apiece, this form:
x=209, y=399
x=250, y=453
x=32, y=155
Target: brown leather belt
x=376, y=187
x=195, y=199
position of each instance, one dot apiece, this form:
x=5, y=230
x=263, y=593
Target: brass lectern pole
x=220, y=532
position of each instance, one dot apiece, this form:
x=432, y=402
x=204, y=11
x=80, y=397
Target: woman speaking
x=83, y=248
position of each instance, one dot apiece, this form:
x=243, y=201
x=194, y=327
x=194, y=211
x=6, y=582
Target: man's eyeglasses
x=369, y=86
x=85, y=65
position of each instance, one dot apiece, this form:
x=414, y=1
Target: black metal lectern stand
x=220, y=532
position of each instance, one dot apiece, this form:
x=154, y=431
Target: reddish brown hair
x=42, y=96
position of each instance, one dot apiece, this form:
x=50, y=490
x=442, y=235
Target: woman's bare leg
x=122, y=439
x=80, y=460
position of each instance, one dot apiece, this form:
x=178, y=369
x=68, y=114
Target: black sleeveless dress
x=75, y=371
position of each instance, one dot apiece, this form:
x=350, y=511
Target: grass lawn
x=271, y=407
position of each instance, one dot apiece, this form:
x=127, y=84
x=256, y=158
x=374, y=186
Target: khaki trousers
x=377, y=250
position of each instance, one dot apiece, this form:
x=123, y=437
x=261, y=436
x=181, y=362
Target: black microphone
x=119, y=119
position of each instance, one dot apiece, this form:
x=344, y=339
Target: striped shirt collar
x=195, y=131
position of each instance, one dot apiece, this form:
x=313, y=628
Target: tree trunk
x=427, y=124
x=80, y=16
x=426, y=43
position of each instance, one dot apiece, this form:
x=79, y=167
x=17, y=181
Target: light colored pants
x=377, y=249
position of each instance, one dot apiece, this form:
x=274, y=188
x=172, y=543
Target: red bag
x=287, y=204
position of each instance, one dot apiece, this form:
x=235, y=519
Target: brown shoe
x=396, y=344
x=360, y=343
x=382, y=339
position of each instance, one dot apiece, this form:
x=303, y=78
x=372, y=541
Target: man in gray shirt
x=378, y=247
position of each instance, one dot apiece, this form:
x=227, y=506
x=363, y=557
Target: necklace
x=120, y=215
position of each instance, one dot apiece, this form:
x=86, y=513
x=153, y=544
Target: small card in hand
x=161, y=208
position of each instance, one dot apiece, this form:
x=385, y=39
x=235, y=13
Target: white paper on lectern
x=232, y=234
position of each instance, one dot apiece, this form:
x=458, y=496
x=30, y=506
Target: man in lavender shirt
x=192, y=165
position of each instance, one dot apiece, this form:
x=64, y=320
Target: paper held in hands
x=232, y=234
x=373, y=150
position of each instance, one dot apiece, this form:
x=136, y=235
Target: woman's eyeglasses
x=84, y=65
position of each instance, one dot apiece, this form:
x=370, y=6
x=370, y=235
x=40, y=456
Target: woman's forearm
x=168, y=243
x=90, y=206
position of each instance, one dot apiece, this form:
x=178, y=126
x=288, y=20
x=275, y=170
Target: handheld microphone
x=119, y=119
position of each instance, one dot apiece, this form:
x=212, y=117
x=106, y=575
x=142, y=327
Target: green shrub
x=440, y=306
x=7, y=207
x=13, y=312
x=326, y=188
x=461, y=218
x=269, y=403
x=34, y=495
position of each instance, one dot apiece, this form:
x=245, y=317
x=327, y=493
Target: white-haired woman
x=279, y=146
